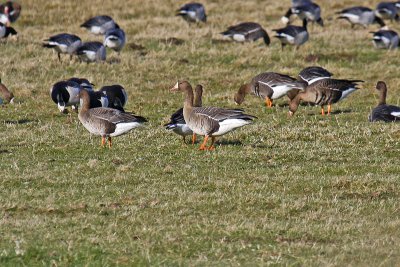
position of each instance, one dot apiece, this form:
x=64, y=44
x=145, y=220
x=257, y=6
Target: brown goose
x=324, y=92
x=6, y=94
x=210, y=121
x=269, y=86
x=384, y=112
x=106, y=122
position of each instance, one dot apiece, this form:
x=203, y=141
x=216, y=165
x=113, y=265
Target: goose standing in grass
x=311, y=12
x=385, y=39
x=210, y=121
x=5, y=94
x=192, y=12
x=116, y=95
x=115, y=39
x=246, y=32
x=295, y=3
x=360, y=15
x=63, y=43
x=6, y=31
x=178, y=124
x=314, y=73
x=324, y=92
x=384, y=112
x=11, y=9
x=106, y=122
x=387, y=10
x=91, y=52
x=269, y=86
x=100, y=24
x=64, y=94
x=293, y=35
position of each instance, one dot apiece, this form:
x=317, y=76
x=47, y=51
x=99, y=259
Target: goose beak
x=12, y=101
x=175, y=88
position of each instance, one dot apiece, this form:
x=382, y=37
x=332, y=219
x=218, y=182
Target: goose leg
x=59, y=57
x=193, y=138
x=212, y=147
x=203, y=145
x=268, y=102
x=329, y=109
x=322, y=111
x=103, y=141
x=109, y=142
x=184, y=139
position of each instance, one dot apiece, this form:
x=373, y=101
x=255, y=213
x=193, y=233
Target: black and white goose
x=100, y=24
x=384, y=112
x=115, y=39
x=387, y=10
x=63, y=43
x=64, y=94
x=91, y=52
x=97, y=98
x=314, y=73
x=6, y=31
x=246, y=31
x=295, y=3
x=360, y=15
x=292, y=35
x=11, y=9
x=385, y=39
x=310, y=12
x=83, y=82
x=192, y=12
x=116, y=95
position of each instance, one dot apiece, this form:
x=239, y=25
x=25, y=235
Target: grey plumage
x=6, y=31
x=115, y=39
x=310, y=12
x=385, y=39
x=293, y=35
x=192, y=12
x=247, y=31
x=65, y=93
x=360, y=15
x=63, y=43
x=100, y=24
x=384, y=112
x=91, y=52
x=387, y=10
x=313, y=74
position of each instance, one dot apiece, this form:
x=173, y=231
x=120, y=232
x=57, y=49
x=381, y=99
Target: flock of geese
x=102, y=112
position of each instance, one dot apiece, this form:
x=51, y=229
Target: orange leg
x=109, y=142
x=203, y=145
x=329, y=109
x=103, y=141
x=268, y=102
x=193, y=138
x=212, y=147
x=322, y=111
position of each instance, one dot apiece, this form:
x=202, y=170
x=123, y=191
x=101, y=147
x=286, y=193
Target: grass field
x=307, y=190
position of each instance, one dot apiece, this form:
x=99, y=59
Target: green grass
x=307, y=190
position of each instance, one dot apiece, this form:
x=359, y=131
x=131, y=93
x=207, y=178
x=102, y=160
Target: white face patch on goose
x=61, y=108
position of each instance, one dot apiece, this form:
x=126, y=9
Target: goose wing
x=96, y=21
x=115, y=116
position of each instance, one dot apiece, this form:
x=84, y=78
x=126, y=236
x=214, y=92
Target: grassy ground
x=307, y=190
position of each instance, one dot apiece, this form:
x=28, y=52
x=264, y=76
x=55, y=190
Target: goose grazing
x=210, y=121
x=97, y=98
x=100, y=24
x=247, y=31
x=106, y=122
x=387, y=10
x=293, y=35
x=178, y=124
x=385, y=39
x=295, y=3
x=383, y=112
x=311, y=12
x=192, y=12
x=64, y=94
x=91, y=52
x=5, y=31
x=83, y=82
x=116, y=95
x=115, y=39
x=269, y=86
x=4, y=19
x=6, y=94
x=324, y=92
x=360, y=15
x=63, y=43
x=11, y=9
x=314, y=73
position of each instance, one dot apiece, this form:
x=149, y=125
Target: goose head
x=182, y=86
x=241, y=93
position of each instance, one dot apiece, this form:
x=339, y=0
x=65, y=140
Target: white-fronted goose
x=324, y=92
x=210, y=121
x=269, y=86
x=106, y=122
x=314, y=73
x=5, y=31
x=64, y=94
x=360, y=15
x=11, y=9
x=310, y=12
x=293, y=35
x=6, y=94
x=177, y=122
x=100, y=24
x=192, y=12
x=383, y=112
x=116, y=95
x=387, y=10
x=295, y=3
x=246, y=32
x=91, y=52
x=115, y=39
x=63, y=43
x=385, y=39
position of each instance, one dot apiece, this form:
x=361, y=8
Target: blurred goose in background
x=5, y=94
x=106, y=122
x=192, y=12
x=295, y=3
x=385, y=39
x=64, y=94
x=11, y=9
x=311, y=12
x=116, y=95
x=100, y=24
x=383, y=112
x=63, y=43
x=324, y=92
x=247, y=31
x=6, y=31
x=314, y=73
x=360, y=15
x=269, y=86
x=177, y=122
x=210, y=121
x=387, y=10
x=293, y=35
x=115, y=39
x=91, y=52
x=83, y=82
x=4, y=19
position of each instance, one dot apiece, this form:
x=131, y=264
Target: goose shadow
x=172, y=41
x=22, y=121
x=220, y=41
x=5, y=151
x=335, y=112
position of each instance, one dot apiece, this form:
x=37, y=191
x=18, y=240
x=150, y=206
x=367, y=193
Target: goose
x=385, y=39
x=100, y=24
x=192, y=12
x=116, y=95
x=246, y=31
x=83, y=82
x=63, y=43
x=106, y=122
x=11, y=9
x=269, y=86
x=6, y=94
x=360, y=15
x=383, y=112
x=314, y=73
x=295, y=3
x=64, y=94
x=387, y=10
x=310, y=12
x=293, y=35
x=324, y=92
x=177, y=122
x=210, y=121
x=4, y=19
x=91, y=52
x=6, y=31
x=115, y=39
